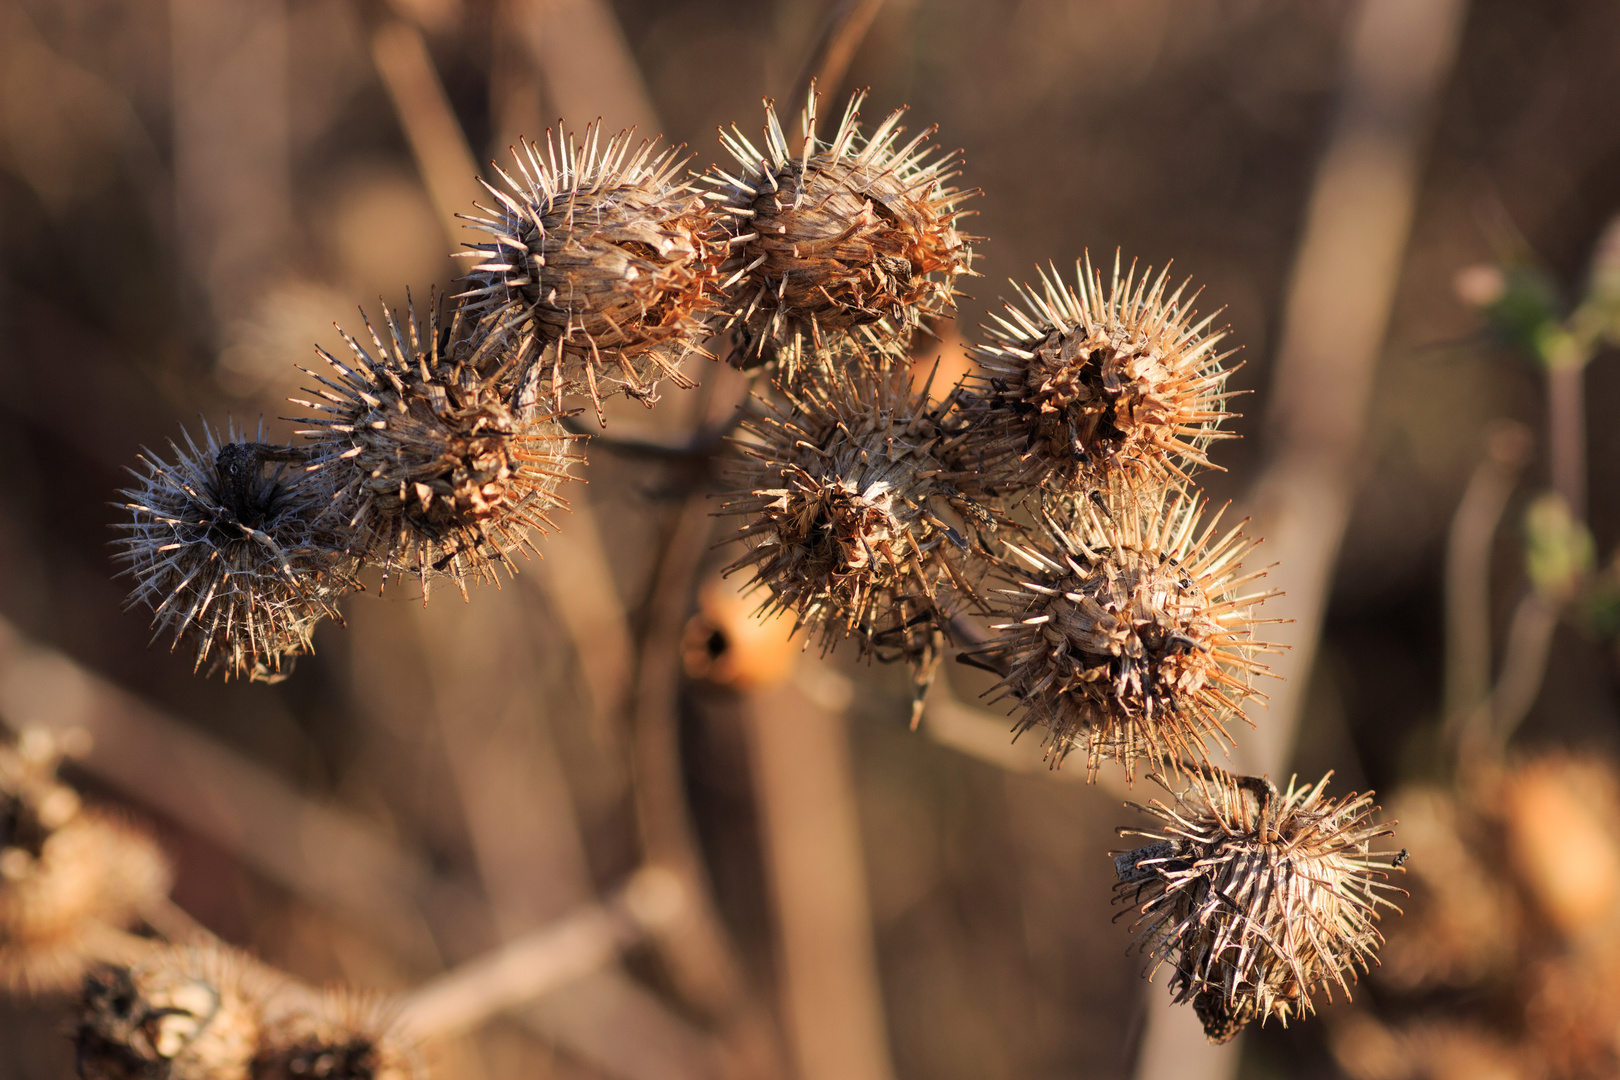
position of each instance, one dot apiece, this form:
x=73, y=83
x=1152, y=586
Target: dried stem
x=531, y=966
x=1400, y=54
x=701, y=957
x=829, y=60
x=1566, y=433
x=1468, y=583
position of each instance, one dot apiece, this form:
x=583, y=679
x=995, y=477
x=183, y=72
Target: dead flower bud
x=598, y=253
x=182, y=1013
x=66, y=873
x=1257, y=900
x=848, y=232
x=333, y=1035
x=435, y=469
x=847, y=520
x=1128, y=635
x=1076, y=383
x=228, y=549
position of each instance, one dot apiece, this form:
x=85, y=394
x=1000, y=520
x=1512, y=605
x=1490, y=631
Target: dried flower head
x=1128, y=636
x=228, y=550
x=333, y=1035
x=848, y=232
x=848, y=523
x=67, y=874
x=181, y=1013
x=437, y=469
x=603, y=257
x=1076, y=383
x=1257, y=900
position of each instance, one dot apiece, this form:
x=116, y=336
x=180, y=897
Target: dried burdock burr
x=182, y=1013
x=333, y=1035
x=1257, y=900
x=1127, y=635
x=848, y=523
x=228, y=549
x=68, y=875
x=848, y=232
x=1077, y=382
x=436, y=468
x=601, y=256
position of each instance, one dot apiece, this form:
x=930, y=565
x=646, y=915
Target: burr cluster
x=1041, y=517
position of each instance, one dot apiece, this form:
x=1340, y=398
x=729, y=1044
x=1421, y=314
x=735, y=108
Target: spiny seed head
x=436, y=468
x=1129, y=635
x=66, y=873
x=333, y=1035
x=181, y=1013
x=228, y=548
x=1077, y=383
x=1257, y=900
x=847, y=232
x=847, y=522
x=599, y=254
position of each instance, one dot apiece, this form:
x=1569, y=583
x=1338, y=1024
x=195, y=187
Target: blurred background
x=192, y=191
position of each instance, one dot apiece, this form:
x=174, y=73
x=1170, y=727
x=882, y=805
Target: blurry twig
x=1468, y=582
x=831, y=998
x=1398, y=59
x=828, y=63
x=319, y=852
x=585, y=63
x=701, y=956
x=442, y=155
x=531, y=966
x=1524, y=665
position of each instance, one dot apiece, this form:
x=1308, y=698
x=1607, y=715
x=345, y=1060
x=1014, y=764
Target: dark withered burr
x=849, y=232
x=435, y=468
x=602, y=256
x=1127, y=635
x=229, y=548
x=1257, y=900
x=1078, y=382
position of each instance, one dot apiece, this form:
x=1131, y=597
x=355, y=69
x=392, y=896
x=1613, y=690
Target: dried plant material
x=848, y=522
x=1561, y=817
x=726, y=645
x=601, y=256
x=435, y=468
x=848, y=232
x=180, y=1014
x=335, y=1035
x=66, y=873
x=1077, y=383
x=1425, y=1050
x=1129, y=636
x=1464, y=923
x=229, y=550
x=1257, y=900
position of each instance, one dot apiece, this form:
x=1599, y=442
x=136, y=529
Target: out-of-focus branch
x=697, y=948
x=1566, y=432
x=1524, y=666
x=1468, y=580
x=531, y=966
x=1343, y=286
x=831, y=998
x=585, y=63
x=827, y=65
x=232, y=178
x=319, y=852
x=442, y=156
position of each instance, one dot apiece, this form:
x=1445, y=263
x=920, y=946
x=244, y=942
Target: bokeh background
x=192, y=191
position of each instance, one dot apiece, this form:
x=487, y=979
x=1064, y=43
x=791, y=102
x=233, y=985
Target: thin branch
x=828, y=62
x=698, y=950
x=1468, y=582
x=1566, y=433
x=1524, y=666
x=533, y=965
x=443, y=157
